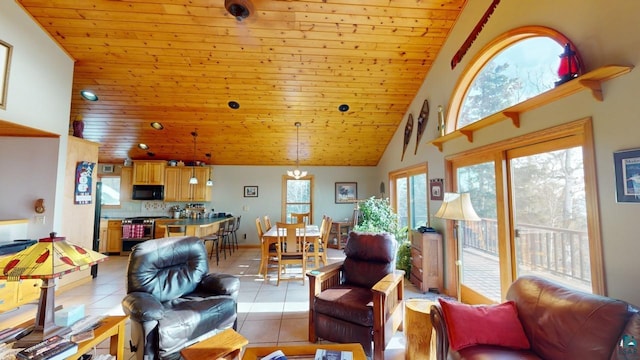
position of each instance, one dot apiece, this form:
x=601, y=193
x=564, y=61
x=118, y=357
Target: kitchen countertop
x=196, y=221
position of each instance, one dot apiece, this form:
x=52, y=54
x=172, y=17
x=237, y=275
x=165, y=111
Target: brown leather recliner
x=560, y=324
x=359, y=299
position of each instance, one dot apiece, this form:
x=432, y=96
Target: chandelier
x=297, y=173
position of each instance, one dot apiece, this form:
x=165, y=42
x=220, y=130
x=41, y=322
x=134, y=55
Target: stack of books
x=53, y=348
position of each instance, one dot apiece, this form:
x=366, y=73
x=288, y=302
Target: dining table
x=271, y=237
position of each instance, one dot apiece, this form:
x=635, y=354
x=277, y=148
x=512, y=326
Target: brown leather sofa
x=560, y=323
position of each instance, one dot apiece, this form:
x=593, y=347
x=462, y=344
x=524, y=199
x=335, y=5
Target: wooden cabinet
x=126, y=181
x=148, y=172
x=339, y=234
x=426, y=261
x=177, y=187
x=114, y=236
x=104, y=234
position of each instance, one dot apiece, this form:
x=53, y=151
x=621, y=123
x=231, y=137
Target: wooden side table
x=226, y=344
x=418, y=329
x=111, y=327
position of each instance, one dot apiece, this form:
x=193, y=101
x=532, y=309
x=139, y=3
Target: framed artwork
x=83, y=182
x=435, y=189
x=251, y=191
x=627, y=168
x=346, y=192
x=5, y=61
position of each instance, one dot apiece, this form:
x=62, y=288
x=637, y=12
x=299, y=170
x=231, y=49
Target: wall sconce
x=39, y=206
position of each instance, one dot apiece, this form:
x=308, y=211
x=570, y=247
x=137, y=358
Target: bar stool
x=228, y=234
x=210, y=234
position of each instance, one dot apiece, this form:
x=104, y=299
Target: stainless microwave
x=148, y=192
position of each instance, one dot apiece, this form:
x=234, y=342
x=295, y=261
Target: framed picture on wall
x=5, y=61
x=346, y=192
x=627, y=168
x=251, y=191
x=435, y=188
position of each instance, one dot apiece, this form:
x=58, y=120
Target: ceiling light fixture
x=143, y=146
x=343, y=108
x=240, y=9
x=209, y=182
x=156, y=125
x=297, y=174
x=234, y=105
x=88, y=95
x=194, y=179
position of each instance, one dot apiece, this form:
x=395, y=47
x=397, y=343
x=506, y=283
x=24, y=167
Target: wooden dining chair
x=176, y=230
x=324, y=240
x=300, y=218
x=316, y=246
x=291, y=249
x=263, y=252
x=267, y=222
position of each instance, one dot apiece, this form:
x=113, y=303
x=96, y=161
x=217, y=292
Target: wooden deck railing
x=557, y=251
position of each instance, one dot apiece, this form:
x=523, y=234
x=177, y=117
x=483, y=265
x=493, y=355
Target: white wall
x=605, y=32
x=27, y=170
x=38, y=96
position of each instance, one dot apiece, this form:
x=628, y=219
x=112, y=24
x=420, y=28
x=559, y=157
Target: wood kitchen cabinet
x=114, y=236
x=148, y=172
x=104, y=234
x=126, y=181
x=426, y=261
x=177, y=187
x=16, y=293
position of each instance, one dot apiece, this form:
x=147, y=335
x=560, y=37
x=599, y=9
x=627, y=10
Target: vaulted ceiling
x=180, y=63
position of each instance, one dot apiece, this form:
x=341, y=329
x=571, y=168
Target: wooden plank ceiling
x=180, y=62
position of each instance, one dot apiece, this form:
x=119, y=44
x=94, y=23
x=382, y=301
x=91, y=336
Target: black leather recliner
x=172, y=299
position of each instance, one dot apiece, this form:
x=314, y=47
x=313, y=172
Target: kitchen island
x=194, y=227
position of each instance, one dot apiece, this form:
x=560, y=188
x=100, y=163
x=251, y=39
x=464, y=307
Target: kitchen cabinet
x=114, y=236
x=148, y=172
x=339, y=234
x=103, y=236
x=426, y=261
x=177, y=187
x=126, y=182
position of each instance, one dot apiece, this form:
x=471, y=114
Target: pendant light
x=297, y=174
x=194, y=179
x=209, y=182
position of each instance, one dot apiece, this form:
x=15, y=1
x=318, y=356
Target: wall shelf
x=591, y=81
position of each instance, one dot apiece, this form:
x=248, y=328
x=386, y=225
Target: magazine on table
x=53, y=348
x=276, y=355
x=326, y=354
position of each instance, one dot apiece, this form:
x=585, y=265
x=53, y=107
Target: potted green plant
x=377, y=216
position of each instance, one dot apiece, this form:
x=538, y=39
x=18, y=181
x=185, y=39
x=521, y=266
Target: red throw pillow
x=469, y=325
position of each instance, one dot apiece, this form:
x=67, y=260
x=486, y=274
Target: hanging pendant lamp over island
x=194, y=179
x=297, y=173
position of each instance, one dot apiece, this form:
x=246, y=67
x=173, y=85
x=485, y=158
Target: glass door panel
x=480, y=269
x=550, y=216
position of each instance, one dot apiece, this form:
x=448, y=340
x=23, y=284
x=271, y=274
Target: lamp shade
x=50, y=258
x=457, y=207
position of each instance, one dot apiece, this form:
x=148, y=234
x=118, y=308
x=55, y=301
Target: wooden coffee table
x=302, y=351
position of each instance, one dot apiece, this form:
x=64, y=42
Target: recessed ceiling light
x=156, y=125
x=143, y=146
x=234, y=105
x=149, y=153
x=343, y=108
x=88, y=95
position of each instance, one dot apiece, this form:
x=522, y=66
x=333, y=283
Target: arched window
x=516, y=66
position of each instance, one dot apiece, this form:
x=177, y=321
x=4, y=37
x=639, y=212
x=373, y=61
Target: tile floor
x=283, y=310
